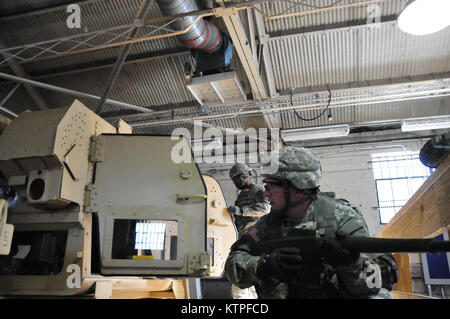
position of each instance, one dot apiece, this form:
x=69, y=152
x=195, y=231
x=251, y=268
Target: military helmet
x=297, y=165
x=239, y=169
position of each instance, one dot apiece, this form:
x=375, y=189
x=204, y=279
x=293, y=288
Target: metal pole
x=7, y=98
x=323, y=9
x=20, y=71
x=112, y=45
x=306, y=107
x=9, y=94
x=71, y=92
x=123, y=55
x=8, y=111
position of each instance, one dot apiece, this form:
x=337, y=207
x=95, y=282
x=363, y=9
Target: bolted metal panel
x=118, y=175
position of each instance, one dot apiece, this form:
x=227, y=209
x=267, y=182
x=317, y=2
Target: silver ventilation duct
x=203, y=35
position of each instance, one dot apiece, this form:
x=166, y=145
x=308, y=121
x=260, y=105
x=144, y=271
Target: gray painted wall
x=346, y=170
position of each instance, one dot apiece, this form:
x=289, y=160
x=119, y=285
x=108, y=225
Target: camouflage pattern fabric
x=297, y=165
x=239, y=169
x=340, y=282
x=246, y=293
x=253, y=205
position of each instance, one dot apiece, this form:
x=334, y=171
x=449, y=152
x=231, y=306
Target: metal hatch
x=139, y=193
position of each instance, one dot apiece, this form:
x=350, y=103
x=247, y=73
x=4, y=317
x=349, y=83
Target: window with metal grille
x=397, y=178
x=150, y=235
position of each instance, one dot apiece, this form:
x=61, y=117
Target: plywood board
x=404, y=283
x=404, y=295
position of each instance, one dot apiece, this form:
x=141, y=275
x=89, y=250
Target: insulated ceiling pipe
x=203, y=35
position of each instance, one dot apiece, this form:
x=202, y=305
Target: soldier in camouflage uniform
x=297, y=203
x=247, y=209
x=250, y=204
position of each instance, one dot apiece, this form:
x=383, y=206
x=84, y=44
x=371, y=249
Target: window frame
x=396, y=157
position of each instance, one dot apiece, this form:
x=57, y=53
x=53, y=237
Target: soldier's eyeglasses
x=268, y=187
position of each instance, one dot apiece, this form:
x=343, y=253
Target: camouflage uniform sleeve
x=353, y=278
x=257, y=210
x=263, y=204
x=260, y=207
x=254, y=204
x=240, y=267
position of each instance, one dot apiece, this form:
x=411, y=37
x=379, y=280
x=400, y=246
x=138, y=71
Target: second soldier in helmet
x=249, y=206
x=250, y=203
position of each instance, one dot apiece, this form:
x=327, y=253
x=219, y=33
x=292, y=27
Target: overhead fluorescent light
x=421, y=17
x=421, y=124
x=311, y=133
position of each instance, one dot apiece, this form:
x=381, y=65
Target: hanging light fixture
x=421, y=17
x=317, y=132
x=426, y=123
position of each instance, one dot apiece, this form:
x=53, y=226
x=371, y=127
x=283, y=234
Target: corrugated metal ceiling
x=355, y=55
x=310, y=50
x=318, y=17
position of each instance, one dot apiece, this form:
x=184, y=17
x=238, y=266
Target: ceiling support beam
x=233, y=23
x=287, y=107
x=140, y=16
x=105, y=64
x=429, y=82
x=382, y=84
x=20, y=71
x=266, y=62
x=246, y=51
x=332, y=27
x=7, y=98
x=70, y=92
x=324, y=9
x=307, y=99
x=85, y=38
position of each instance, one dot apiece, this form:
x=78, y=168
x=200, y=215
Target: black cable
x=323, y=112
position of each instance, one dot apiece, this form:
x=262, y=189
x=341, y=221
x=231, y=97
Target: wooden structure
x=425, y=215
x=138, y=288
